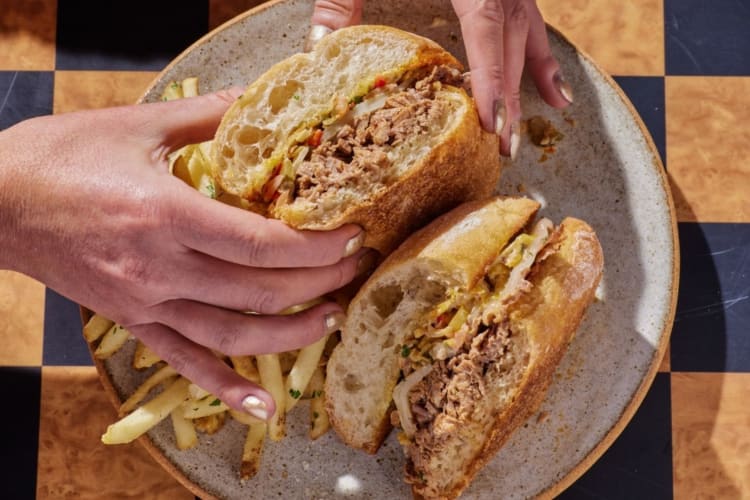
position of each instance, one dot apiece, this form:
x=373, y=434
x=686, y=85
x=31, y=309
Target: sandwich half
x=455, y=337
x=372, y=127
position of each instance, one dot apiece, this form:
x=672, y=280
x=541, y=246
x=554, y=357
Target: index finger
x=482, y=30
x=243, y=237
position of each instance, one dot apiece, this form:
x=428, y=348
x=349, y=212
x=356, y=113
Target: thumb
x=337, y=14
x=187, y=121
x=330, y=15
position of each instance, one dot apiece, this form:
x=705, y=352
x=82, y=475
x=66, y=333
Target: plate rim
x=667, y=325
x=667, y=321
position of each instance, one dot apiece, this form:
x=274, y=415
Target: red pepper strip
x=442, y=320
x=379, y=82
x=275, y=171
x=314, y=140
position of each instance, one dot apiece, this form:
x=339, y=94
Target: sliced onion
x=540, y=232
x=301, y=155
x=368, y=105
x=401, y=398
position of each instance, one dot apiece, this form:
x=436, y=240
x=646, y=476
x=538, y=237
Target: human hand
x=88, y=207
x=501, y=36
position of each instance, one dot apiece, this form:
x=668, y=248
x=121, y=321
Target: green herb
x=405, y=351
x=295, y=97
x=211, y=190
x=356, y=99
x=295, y=393
x=164, y=98
x=175, y=85
x=317, y=394
x=215, y=402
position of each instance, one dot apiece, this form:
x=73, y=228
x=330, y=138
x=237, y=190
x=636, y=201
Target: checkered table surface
x=685, y=64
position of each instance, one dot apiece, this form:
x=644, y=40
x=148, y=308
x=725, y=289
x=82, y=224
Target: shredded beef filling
x=449, y=395
x=356, y=155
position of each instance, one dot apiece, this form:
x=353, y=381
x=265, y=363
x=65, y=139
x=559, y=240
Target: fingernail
x=500, y=116
x=316, y=33
x=515, y=139
x=563, y=87
x=466, y=80
x=354, y=244
x=255, y=407
x=366, y=262
x=334, y=322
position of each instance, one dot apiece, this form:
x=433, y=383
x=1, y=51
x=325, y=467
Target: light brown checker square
x=666, y=364
x=27, y=35
x=708, y=147
x=22, y=323
x=711, y=435
x=221, y=11
x=625, y=38
x=73, y=462
x=77, y=90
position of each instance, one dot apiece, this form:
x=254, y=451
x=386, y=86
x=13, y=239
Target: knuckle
x=264, y=299
x=179, y=359
x=227, y=342
x=257, y=248
x=495, y=73
x=135, y=270
x=221, y=97
x=517, y=15
x=492, y=10
x=342, y=274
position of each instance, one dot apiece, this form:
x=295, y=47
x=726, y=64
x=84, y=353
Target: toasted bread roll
x=372, y=127
x=456, y=336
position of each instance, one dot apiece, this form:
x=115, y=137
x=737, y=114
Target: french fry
x=319, y=423
x=111, y=341
x=210, y=424
x=197, y=408
x=191, y=164
x=189, y=87
x=197, y=392
x=172, y=91
x=299, y=375
x=162, y=374
x=251, y=452
x=272, y=380
x=95, y=327
x=244, y=366
x=286, y=361
x=244, y=418
x=147, y=416
x=184, y=430
x=144, y=357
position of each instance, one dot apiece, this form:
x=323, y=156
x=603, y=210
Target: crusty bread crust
x=563, y=286
x=455, y=248
x=460, y=164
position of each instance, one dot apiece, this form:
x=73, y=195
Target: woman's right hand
x=88, y=207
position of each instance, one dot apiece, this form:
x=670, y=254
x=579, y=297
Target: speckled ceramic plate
x=605, y=171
